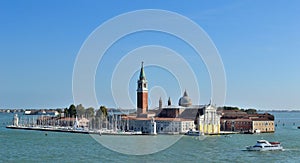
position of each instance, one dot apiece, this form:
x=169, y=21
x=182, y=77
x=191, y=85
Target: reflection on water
x=137, y=145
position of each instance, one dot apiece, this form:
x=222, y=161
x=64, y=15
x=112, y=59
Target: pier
x=51, y=129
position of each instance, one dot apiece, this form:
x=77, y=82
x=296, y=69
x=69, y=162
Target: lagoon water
x=35, y=146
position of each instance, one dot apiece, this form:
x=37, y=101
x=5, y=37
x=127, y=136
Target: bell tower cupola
x=142, y=92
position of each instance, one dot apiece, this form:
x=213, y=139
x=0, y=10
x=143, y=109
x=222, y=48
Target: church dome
x=185, y=100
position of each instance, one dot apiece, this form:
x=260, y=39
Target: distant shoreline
x=23, y=110
x=278, y=110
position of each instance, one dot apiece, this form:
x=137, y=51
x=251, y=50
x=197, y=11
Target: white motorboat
x=194, y=133
x=264, y=145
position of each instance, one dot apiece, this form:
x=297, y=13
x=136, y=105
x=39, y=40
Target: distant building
x=162, y=126
x=171, y=119
x=27, y=112
x=237, y=125
x=83, y=123
x=52, y=113
x=263, y=125
x=239, y=121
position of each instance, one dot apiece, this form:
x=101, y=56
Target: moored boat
x=194, y=133
x=264, y=145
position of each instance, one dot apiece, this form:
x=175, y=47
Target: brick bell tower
x=142, y=93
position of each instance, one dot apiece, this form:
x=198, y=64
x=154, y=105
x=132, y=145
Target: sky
x=258, y=42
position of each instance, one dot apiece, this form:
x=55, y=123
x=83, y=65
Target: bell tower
x=142, y=93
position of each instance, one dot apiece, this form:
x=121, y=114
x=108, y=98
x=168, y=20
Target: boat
x=194, y=133
x=264, y=145
x=111, y=132
x=298, y=127
x=257, y=131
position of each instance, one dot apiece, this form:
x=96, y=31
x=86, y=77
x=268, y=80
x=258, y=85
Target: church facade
x=171, y=119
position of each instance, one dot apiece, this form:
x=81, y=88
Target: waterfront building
x=209, y=121
x=262, y=125
x=243, y=125
x=83, y=123
x=200, y=117
x=239, y=121
x=171, y=119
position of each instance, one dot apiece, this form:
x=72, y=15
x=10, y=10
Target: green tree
x=228, y=108
x=99, y=113
x=90, y=112
x=72, y=111
x=59, y=110
x=251, y=111
x=80, y=110
x=103, y=111
x=66, y=112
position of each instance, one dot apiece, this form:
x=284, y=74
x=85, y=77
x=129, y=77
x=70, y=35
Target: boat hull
x=264, y=149
x=194, y=133
x=264, y=145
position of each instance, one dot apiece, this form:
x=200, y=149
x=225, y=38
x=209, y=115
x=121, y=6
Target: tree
x=72, y=111
x=90, y=112
x=228, y=108
x=80, y=110
x=59, y=110
x=99, y=113
x=66, y=112
x=103, y=111
x=251, y=111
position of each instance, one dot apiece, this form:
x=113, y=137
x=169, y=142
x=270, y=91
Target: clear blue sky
x=258, y=41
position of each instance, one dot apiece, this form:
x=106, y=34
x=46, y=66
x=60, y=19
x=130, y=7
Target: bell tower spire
x=142, y=92
x=142, y=73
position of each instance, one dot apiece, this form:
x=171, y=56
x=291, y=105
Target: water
x=35, y=146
